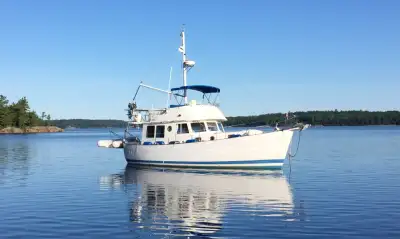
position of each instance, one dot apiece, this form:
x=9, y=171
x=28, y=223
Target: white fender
x=117, y=144
x=104, y=143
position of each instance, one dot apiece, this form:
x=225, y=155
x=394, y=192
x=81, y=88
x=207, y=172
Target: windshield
x=221, y=127
x=198, y=127
x=212, y=126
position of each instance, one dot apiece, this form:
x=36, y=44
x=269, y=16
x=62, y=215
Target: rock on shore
x=31, y=130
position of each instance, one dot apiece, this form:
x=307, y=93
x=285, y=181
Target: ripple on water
x=343, y=183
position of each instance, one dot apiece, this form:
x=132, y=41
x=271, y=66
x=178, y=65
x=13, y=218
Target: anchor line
x=297, y=148
x=293, y=155
x=113, y=133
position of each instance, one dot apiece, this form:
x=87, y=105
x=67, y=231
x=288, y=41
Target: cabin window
x=221, y=127
x=212, y=126
x=150, y=132
x=183, y=129
x=198, y=127
x=160, y=131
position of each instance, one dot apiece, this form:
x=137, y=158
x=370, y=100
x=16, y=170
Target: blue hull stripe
x=209, y=163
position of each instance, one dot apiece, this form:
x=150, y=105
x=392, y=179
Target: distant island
x=322, y=118
x=18, y=118
x=88, y=123
x=315, y=118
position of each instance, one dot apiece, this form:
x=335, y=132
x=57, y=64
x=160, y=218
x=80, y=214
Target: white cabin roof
x=187, y=113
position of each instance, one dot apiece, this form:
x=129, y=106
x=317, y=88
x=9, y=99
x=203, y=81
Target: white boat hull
x=267, y=150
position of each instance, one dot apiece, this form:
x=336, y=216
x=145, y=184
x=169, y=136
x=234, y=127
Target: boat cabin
x=182, y=132
x=184, y=122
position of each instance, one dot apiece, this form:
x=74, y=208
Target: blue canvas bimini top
x=202, y=88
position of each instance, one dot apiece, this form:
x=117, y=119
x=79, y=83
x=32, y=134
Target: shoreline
x=31, y=130
x=320, y=126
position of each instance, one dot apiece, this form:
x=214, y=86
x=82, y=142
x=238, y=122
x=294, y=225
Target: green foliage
x=17, y=114
x=5, y=118
x=45, y=119
x=326, y=118
x=87, y=123
x=34, y=119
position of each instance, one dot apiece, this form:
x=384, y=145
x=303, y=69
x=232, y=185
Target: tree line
x=18, y=114
x=88, y=123
x=324, y=118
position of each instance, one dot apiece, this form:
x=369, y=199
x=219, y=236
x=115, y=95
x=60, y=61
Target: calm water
x=344, y=182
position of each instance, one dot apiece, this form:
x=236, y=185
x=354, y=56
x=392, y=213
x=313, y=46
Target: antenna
x=185, y=63
x=169, y=86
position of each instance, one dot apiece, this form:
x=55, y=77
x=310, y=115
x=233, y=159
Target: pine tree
x=5, y=119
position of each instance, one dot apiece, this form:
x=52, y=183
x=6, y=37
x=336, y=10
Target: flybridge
x=205, y=89
x=201, y=88
x=182, y=90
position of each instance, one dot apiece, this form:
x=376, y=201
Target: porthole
x=169, y=128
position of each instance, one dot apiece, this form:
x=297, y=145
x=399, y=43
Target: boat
x=191, y=133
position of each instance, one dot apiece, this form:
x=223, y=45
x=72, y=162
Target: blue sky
x=84, y=59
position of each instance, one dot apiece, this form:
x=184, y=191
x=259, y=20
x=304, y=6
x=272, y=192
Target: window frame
x=163, y=131
x=215, y=126
x=179, y=128
x=147, y=131
x=204, y=124
x=220, y=127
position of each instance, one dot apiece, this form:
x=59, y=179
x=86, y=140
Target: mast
x=183, y=47
x=185, y=63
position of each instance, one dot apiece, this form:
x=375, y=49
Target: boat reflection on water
x=194, y=201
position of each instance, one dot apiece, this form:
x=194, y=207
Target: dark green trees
x=88, y=123
x=5, y=117
x=17, y=114
x=327, y=118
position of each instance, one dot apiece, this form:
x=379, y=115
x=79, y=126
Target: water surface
x=344, y=182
